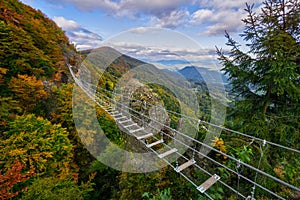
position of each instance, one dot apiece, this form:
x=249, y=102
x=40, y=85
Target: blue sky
x=90, y=22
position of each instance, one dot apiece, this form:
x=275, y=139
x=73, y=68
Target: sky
x=142, y=27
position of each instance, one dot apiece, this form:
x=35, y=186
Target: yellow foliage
x=219, y=144
x=57, y=76
x=29, y=90
x=3, y=70
x=36, y=142
x=279, y=171
x=17, y=152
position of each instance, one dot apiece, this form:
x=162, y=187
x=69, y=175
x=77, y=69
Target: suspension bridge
x=183, y=153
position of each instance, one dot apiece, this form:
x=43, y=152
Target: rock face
x=145, y=108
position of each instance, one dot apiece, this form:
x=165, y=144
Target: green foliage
x=204, y=104
x=265, y=81
x=32, y=48
x=160, y=195
x=60, y=106
x=53, y=188
x=30, y=43
x=289, y=170
x=135, y=185
x=106, y=181
x=13, y=177
x=268, y=81
x=8, y=107
x=244, y=154
x=266, y=77
x=33, y=51
x=216, y=193
x=29, y=91
x=110, y=129
x=34, y=141
x=170, y=101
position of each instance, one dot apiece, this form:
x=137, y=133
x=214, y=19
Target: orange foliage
x=2, y=72
x=13, y=177
x=219, y=144
x=57, y=76
x=29, y=90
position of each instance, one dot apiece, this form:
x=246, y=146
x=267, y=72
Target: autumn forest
x=42, y=156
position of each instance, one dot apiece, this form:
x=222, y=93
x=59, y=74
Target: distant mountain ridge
x=202, y=75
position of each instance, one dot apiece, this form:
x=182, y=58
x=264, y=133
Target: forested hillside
x=42, y=156
x=38, y=143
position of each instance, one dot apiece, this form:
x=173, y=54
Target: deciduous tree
x=11, y=178
x=29, y=91
x=34, y=141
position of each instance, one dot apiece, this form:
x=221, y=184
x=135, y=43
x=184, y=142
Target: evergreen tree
x=266, y=78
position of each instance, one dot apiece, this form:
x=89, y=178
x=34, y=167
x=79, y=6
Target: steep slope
x=30, y=43
x=36, y=125
x=107, y=57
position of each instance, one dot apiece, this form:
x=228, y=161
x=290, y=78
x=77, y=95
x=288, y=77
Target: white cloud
x=140, y=30
x=154, y=53
x=225, y=20
x=81, y=37
x=88, y=5
x=216, y=15
x=65, y=24
x=125, y=6
x=171, y=20
x=164, y=12
x=226, y=4
x=219, y=16
x=201, y=16
x=155, y=7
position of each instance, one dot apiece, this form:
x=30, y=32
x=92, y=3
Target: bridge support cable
x=112, y=101
x=160, y=155
x=263, y=148
x=125, y=119
x=216, y=126
x=229, y=169
x=218, y=151
x=249, y=180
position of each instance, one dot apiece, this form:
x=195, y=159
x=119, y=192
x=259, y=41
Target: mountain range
x=203, y=75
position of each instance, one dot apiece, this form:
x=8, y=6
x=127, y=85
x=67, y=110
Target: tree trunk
x=267, y=100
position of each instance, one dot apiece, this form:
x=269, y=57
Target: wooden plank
x=125, y=121
x=208, y=183
x=144, y=136
x=114, y=112
x=155, y=143
x=167, y=153
x=185, y=165
x=116, y=115
x=107, y=107
x=136, y=130
x=130, y=125
x=118, y=118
